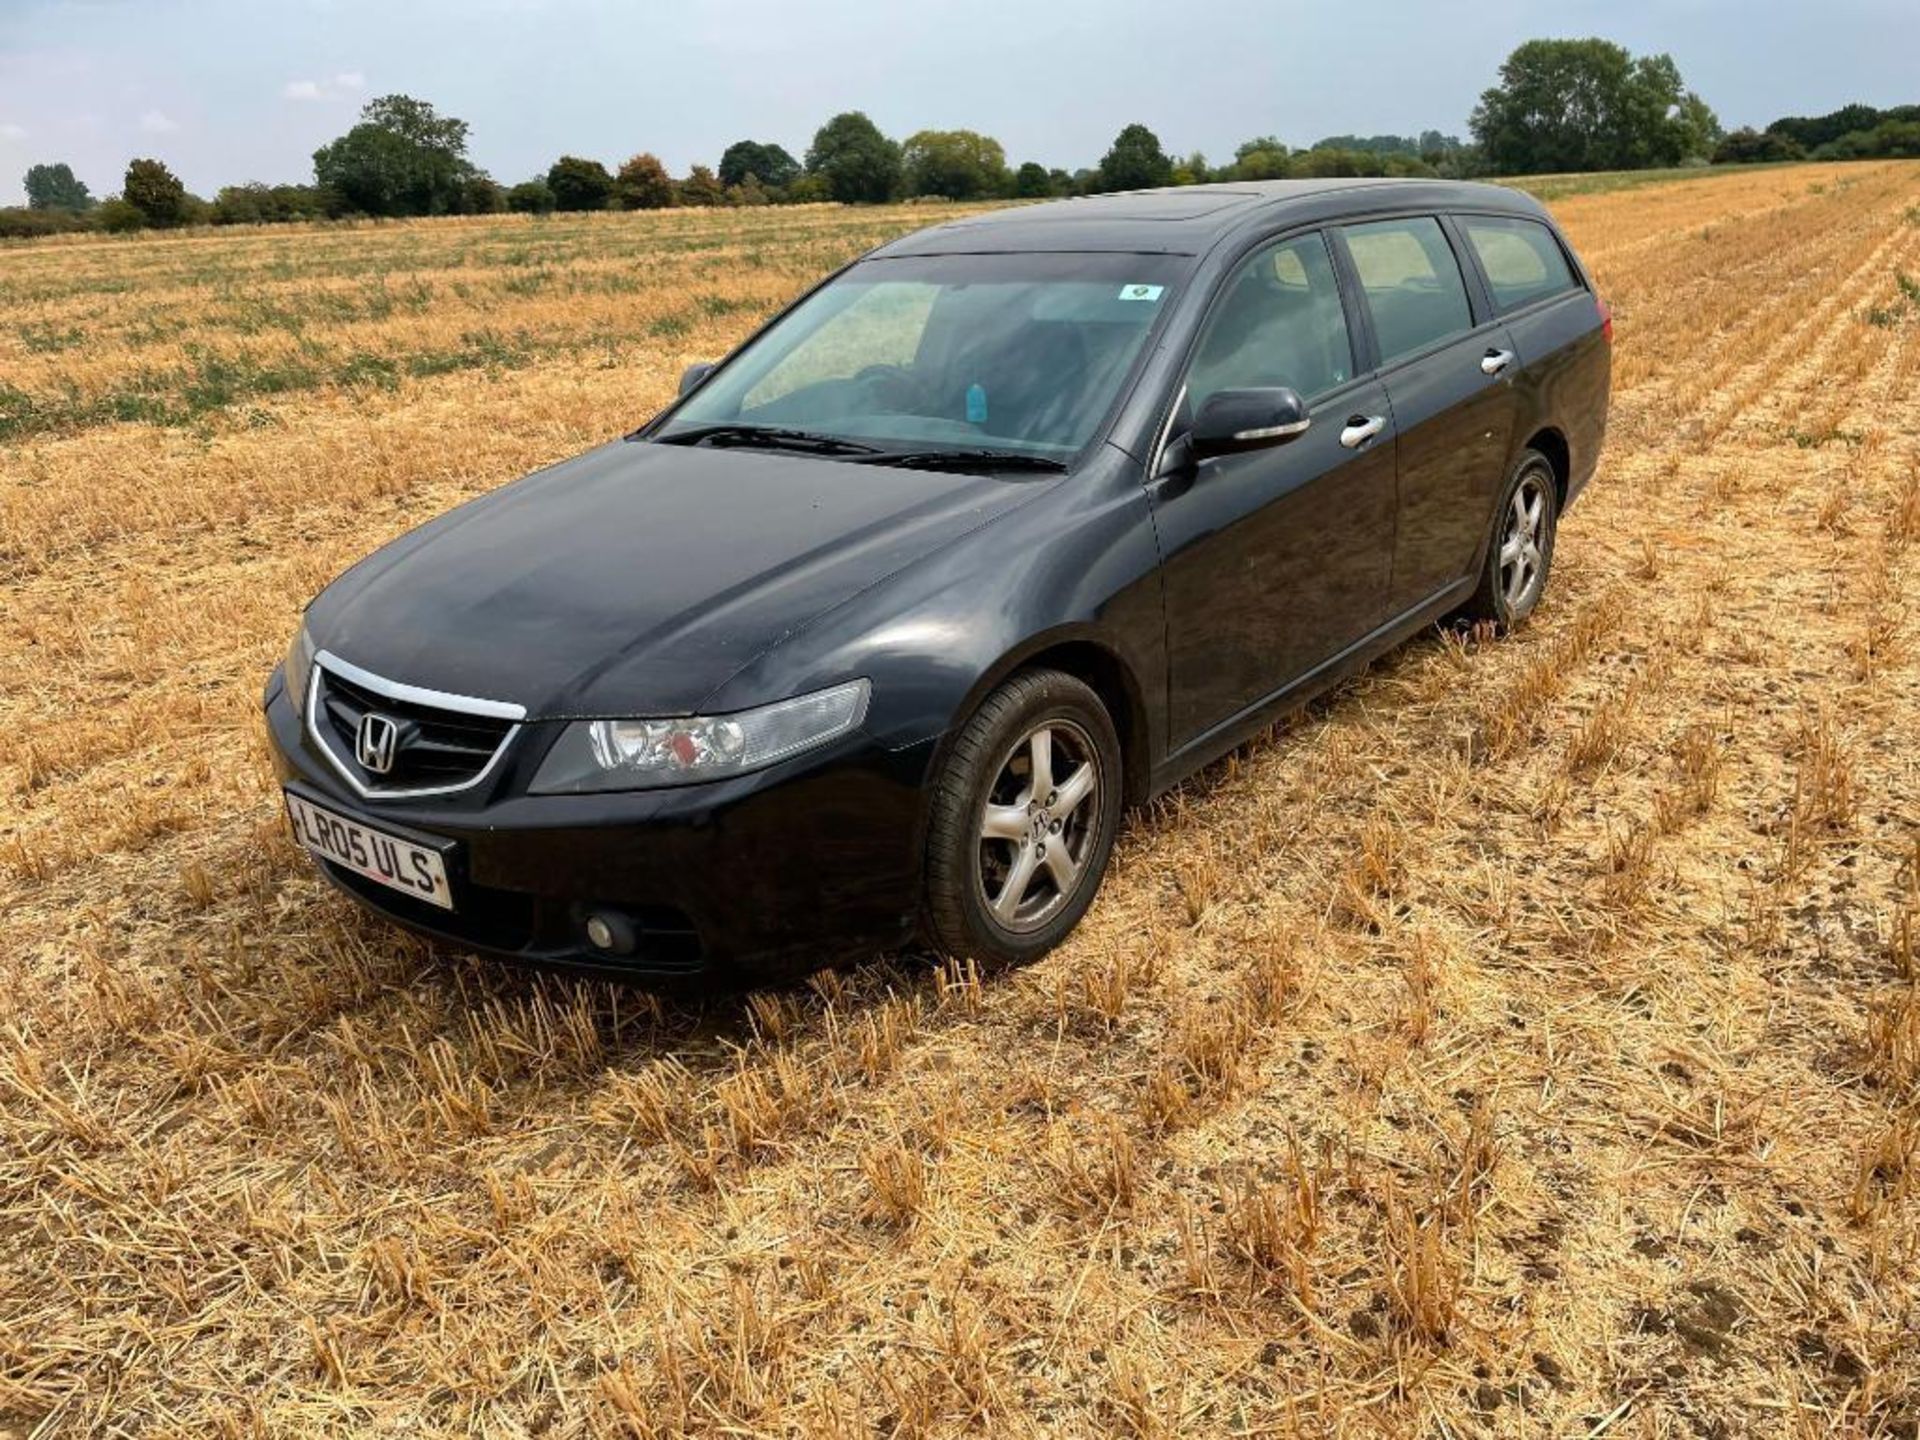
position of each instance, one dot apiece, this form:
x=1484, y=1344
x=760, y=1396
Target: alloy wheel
x=1522, y=543
x=1038, y=825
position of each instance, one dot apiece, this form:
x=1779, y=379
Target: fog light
x=610, y=931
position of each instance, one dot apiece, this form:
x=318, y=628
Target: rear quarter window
x=1522, y=260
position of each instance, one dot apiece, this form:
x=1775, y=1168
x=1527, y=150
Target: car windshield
x=1021, y=354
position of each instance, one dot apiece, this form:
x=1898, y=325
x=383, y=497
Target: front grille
x=436, y=748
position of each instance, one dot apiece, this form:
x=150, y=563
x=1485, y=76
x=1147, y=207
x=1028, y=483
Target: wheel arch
x=1552, y=443
x=1097, y=663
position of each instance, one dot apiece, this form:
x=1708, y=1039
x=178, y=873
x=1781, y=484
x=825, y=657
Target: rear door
x=1275, y=560
x=1448, y=369
x=1555, y=324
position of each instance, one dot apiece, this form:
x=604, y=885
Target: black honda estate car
x=878, y=629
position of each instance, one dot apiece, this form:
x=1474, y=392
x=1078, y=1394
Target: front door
x=1275, y=560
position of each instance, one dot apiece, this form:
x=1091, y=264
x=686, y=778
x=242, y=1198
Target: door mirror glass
x=1231, y=421
x=691, y=377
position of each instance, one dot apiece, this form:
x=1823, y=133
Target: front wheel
x=1022, y=820
x=1518, y=560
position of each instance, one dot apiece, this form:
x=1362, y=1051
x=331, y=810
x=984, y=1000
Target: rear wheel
x=1521, y=555
x=1022, y=821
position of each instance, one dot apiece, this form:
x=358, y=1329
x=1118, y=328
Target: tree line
x=1853, y=132
x=405, y=159
x=1558, y=105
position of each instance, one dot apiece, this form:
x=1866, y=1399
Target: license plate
x=386, y=859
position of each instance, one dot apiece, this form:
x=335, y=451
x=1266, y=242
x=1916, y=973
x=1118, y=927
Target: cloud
x=335, y=89
x=10, y=131
x=158, y=122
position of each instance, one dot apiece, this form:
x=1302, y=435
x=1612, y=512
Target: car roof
x=1192, y=219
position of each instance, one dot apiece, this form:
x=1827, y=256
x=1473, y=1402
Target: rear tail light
x=1606, y=320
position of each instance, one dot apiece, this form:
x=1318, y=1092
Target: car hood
x=638, y=578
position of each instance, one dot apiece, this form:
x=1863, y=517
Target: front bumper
x=768, y=875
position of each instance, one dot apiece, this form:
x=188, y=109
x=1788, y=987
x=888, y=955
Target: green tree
x=769, y=163
x=1136, y=161
x=156, y=192
x=579, y=184
x=258, y=204
x=22, y=222
x=531, y=197
x=1031, y=182
x=377, y=172
x=857, y=162
x=702, y=187
x=808, y=190
x=749, y=192
x=1698, y=128
x=418, y=122
x=643, y=184
x=956, y=164
x=1261, y=158
x=1813, y=132
x=1889, y=139
x=1317, y=163
x=119, y=217
x=1589, y=105
x=1747, y=146
x=1371, y=144
x=247, y=204
x=481, y=194
x=1193, y=170
x=402, y=158
x=55, y=187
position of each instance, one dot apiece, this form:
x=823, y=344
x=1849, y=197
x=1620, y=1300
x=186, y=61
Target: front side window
x=1020, y=352
x=1522, y=260
x=1412, y=282
x=1278, y=322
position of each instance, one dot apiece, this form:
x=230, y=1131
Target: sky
x=226, y=91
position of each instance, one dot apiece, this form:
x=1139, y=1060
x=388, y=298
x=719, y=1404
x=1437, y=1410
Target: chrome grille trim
x=414, y=694
x=326, y=661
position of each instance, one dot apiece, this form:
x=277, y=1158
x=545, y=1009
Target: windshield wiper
x=980, y=460
x=769, y=437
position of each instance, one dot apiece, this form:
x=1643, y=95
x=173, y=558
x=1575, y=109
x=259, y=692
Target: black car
x=998, y=531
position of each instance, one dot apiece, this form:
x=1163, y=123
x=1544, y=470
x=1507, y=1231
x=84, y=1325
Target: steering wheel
x=894, y=386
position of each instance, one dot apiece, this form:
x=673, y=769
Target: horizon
x=225, y=93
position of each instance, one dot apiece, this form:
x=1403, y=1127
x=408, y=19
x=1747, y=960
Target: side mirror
x=1235, y=420
x=691, y=377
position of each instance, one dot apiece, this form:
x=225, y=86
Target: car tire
x=1010, y=872
x=1520, y=554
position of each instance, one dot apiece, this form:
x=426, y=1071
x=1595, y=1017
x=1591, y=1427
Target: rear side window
x=1523, y=261
x=1412, y=283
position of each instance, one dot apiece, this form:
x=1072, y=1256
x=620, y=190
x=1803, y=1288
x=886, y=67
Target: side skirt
x=1236, y=729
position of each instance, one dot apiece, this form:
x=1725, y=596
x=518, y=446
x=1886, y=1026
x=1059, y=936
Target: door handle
x=1360, y=429
x=1494, y=361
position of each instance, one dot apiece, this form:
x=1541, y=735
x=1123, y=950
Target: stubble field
x=1524, y=1041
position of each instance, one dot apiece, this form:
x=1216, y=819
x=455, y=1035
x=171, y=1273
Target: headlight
x=297, y=667
x=645, y=754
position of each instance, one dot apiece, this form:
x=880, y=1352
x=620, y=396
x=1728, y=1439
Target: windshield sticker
x=1141, y=292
